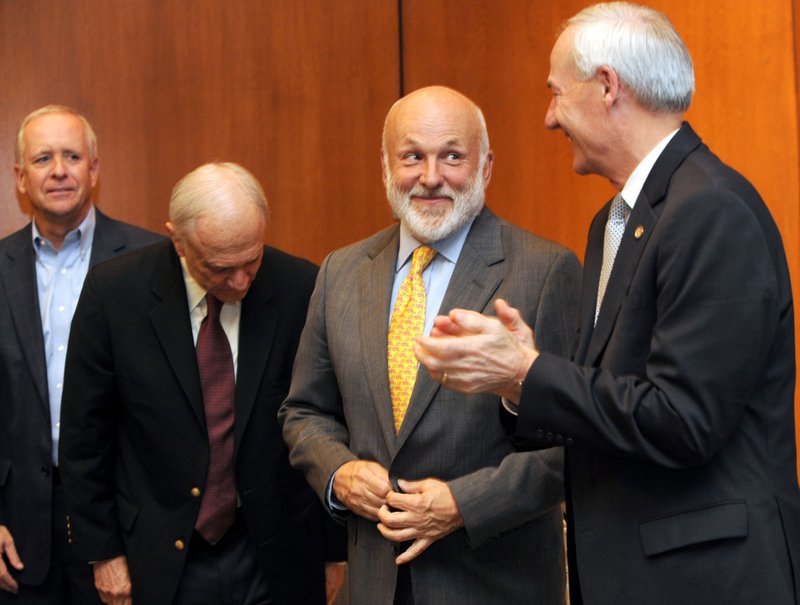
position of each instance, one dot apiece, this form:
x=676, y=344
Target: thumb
x=508, y=315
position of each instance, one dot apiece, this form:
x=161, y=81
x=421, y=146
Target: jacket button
x=570, y=441
x=179, y=545
x=195, y=491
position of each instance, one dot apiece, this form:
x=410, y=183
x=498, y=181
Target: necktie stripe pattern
x=615, y=227
x=408, y=321
x=215, y=362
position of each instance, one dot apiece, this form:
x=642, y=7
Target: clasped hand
x=479, y=353
x=425, y=512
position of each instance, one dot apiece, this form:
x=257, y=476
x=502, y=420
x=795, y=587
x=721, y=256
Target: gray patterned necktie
x=614, y=229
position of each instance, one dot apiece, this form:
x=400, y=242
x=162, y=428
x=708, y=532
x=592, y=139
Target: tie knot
x=421, y=259
x=618, y=209
x=213, y=307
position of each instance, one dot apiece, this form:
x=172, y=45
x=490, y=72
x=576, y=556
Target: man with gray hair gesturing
x=677, y=412
x=175, y=473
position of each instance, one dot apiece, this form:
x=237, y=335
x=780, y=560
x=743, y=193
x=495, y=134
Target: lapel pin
x=639, y=232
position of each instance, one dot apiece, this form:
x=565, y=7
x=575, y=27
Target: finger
x=444, y=326
x=471, y=321
x=412, y=552
x=13, y=557
x=397, y=535
x=411, y=487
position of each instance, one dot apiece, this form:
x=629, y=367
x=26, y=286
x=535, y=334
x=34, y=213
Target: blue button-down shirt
x=59, y=277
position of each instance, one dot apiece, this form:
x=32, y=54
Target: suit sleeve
x=87, y=444
x=672, y=398
x=312, y=416
x=493, y=500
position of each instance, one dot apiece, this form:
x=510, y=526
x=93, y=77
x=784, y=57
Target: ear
x=19, y=176
x=94, y=170
x=383, y=168
x=173, y=235
x=611, y=86
x=487, y=168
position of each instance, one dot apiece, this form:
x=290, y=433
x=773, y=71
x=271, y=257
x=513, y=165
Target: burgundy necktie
x=214, y=359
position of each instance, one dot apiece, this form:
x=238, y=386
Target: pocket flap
x=718, y=522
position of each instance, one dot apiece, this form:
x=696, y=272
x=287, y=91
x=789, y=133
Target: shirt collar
x=195, y=293
x=635, y=183
x=84, y=233
x=449, y=247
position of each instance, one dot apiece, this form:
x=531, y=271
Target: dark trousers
x=225, y=573
x=403, y=591
x=69, y=581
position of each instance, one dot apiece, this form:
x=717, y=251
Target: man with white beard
x=425, y=477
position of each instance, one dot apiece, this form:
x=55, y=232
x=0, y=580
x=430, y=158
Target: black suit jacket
x=25, y=438
x=678, y=413
x=134, y=442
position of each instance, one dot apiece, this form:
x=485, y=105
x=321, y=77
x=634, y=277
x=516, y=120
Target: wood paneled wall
x=296, y=91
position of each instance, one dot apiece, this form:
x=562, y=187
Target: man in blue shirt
x=42, y=268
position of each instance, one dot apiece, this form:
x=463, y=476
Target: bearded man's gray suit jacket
x=339, y=409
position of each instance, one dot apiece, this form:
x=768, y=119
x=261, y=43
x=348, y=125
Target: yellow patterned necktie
x=408, y=321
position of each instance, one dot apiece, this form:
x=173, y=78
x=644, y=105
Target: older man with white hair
x=678, y=409
x=176, y=477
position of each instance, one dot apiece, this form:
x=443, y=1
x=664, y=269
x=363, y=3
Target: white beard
x=431, y=224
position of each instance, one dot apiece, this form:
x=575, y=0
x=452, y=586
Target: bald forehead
x=433, y=110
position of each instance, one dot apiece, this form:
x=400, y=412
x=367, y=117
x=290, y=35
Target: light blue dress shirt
x=59, y=278
x=436, y=275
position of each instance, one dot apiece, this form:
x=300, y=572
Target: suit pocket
x=719, y=522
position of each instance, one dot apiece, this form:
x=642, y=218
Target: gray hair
x=88, y=131
x=642, y=46
x=206, y=189
x=483, y=133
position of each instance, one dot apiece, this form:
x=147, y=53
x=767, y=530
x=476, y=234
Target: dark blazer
x=25, y=439
x=678, y=414
x=134, y=442
x=339, y=409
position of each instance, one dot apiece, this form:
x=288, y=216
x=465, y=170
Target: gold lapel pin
x=639, y=232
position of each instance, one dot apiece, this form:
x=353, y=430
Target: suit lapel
x=374, y=294
x=256, y=334
x=19, y=283
x=478, y=274
x=170, y=319
x=108, y=241
x=637, y=233
x=593, y=260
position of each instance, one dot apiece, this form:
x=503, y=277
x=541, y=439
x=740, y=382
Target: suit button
x=180, y=545
x=539, y=433
x=195, y=491
x=559, y=439
x=570, y=441
x=550, y=437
